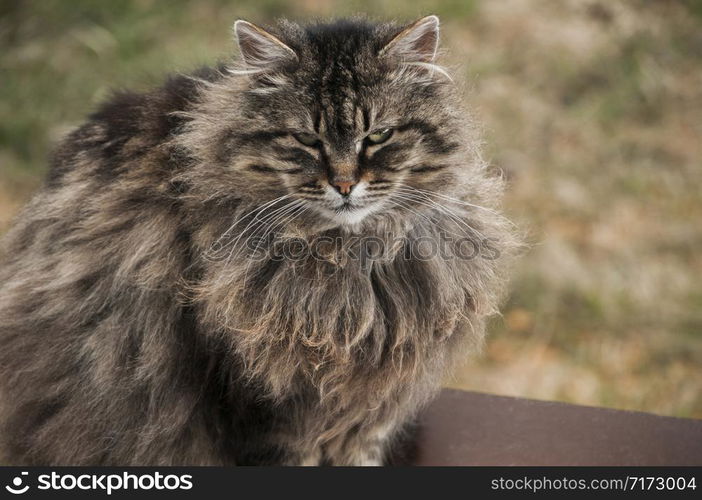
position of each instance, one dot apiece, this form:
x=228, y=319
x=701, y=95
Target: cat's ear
x=260, y=50
x=418, y=42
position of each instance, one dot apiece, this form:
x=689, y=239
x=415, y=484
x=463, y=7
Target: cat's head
x=344, y=119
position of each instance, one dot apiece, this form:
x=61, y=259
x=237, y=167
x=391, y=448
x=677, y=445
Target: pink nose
x=344, y=187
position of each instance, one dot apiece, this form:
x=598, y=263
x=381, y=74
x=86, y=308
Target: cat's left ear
x=260, y=49
x=418, y=42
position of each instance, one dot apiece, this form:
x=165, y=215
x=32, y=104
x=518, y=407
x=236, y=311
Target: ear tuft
x=418, y=42
x=260, y=50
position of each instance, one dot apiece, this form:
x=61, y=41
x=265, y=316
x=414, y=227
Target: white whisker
x=272, y=216
x=426, y=201
x=287, y=218
x=458, y=201
x=258, y=210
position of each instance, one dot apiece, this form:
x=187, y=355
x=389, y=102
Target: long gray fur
x=138, y=324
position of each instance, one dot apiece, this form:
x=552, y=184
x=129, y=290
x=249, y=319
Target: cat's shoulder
x=127, y=118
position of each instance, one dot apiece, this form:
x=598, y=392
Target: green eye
x=310, y=140
x=380, y=136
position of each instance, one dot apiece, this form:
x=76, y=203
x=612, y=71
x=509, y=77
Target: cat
x=152, y=310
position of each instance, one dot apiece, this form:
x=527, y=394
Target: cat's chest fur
x=347, y=316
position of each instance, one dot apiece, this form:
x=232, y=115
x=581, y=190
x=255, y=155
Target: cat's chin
x=349, y=217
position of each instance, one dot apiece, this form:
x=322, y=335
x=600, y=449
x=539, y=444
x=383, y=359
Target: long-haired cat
x=194, y=283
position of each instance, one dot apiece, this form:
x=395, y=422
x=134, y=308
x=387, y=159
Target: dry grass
x=592, y=109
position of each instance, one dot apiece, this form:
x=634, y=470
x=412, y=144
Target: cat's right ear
x=260, y=50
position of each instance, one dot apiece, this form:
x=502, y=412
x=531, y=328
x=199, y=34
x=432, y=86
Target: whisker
x=291, y=215
x=274, y=217
x=272, y=224
x=458, y=201
x=261, y=207
x=257, y=218
x=410, y=209
x=239, y=219
x=425, y=217
x=425, y=194
x=237, y=249
x=309, y=196
x=423, y=200
x=278, y=215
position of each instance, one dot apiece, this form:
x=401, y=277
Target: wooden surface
x=467, y=428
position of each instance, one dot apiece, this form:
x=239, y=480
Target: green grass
x=591, y=109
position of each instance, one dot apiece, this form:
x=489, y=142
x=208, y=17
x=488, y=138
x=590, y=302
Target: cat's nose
x=344, y=187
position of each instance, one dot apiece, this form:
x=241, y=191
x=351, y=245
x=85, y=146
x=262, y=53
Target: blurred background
x=592, y=108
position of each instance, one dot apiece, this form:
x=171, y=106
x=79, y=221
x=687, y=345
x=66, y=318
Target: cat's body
x=140, y=325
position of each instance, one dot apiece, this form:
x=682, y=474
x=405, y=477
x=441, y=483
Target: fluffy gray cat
x=274, y=261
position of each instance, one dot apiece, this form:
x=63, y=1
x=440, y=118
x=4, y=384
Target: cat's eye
x=309, y=140
x=380, y=136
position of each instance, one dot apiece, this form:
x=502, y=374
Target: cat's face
x=347, y=120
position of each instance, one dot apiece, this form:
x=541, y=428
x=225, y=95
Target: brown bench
x=467, y=428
